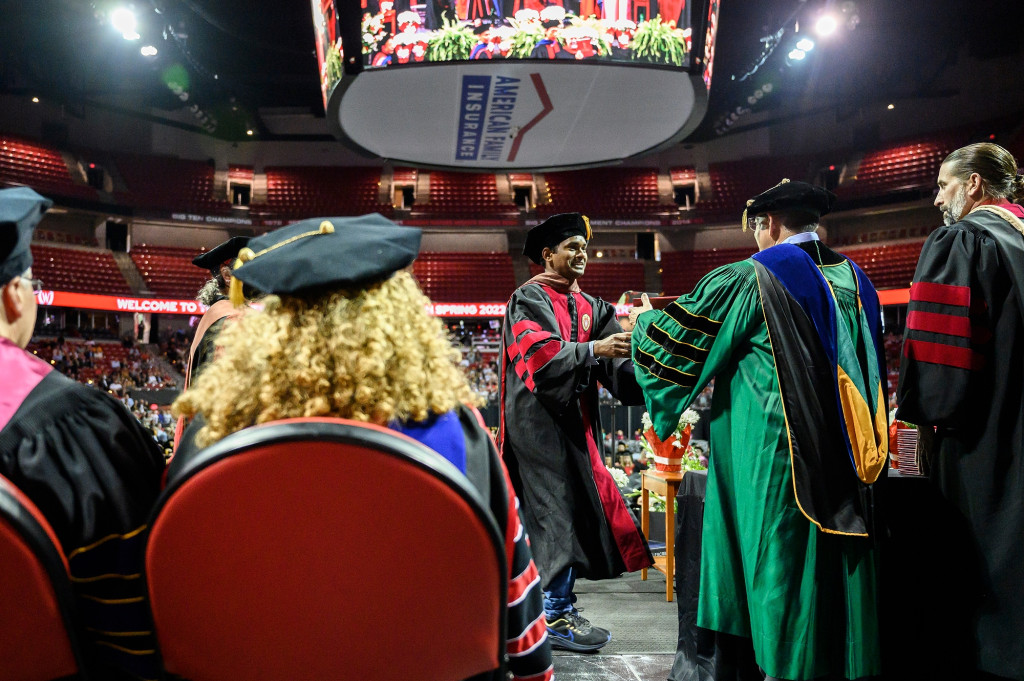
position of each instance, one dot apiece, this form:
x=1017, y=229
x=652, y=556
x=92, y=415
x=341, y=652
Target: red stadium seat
x=38, y=641
x=314, y=549
x=603, y=192
x=465, y=277
x=168, y=270
x=681, y=270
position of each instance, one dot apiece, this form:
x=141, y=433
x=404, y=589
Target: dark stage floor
x=643, y=625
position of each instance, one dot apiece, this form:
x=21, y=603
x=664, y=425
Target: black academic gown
x=551, y=428
x=962, y=370
x=94, y=472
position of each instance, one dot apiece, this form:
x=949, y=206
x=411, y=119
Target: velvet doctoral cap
x=554, y=231
x=791, y=196
x=321, y=254
x=21, y=209
x=221, y=253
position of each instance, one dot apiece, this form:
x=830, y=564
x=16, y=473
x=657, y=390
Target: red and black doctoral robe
x=962, y=371
x=551, y=428
x=94, y=473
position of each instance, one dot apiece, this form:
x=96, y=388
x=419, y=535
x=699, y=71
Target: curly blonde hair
x=371, y=354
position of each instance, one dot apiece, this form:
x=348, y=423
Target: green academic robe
x=786, y=558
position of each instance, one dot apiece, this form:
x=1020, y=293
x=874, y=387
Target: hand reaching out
x=614, y=346
x=645, y=306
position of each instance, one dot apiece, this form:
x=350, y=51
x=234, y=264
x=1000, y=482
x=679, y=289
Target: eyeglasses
x=36, y=284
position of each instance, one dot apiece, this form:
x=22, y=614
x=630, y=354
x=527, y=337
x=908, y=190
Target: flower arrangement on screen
x=652, y=40
x=674, y=454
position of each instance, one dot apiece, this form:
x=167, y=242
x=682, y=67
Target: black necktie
x=571, y=301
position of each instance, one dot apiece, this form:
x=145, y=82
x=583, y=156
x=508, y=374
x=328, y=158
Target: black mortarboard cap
x=551, y=23
x=481, y=29
x=21, y=209
x=791, y=196
x=325, y=253
x=554, y=231
x=221, y=253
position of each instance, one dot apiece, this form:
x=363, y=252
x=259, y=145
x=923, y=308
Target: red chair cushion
x=320, y=560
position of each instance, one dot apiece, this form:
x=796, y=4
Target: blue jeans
x=559, y=598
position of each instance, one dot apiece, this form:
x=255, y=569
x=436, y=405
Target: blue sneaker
x=572, y=631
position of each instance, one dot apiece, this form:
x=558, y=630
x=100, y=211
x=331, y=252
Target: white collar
x=801, y=238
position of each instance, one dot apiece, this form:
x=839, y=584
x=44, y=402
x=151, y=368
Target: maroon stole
x=627, y=538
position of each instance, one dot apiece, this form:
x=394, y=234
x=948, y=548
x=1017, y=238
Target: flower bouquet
x=675, y=453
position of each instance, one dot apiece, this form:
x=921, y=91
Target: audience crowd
x=121, y=369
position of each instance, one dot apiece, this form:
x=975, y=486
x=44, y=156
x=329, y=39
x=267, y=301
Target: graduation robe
x=798, y=427
x=962, y=370
x=550, y=430
x=94, y=472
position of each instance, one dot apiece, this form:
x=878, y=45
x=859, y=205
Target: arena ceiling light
x=123, y=20
x=796, y=54
x=826, y=25
x=805, y=44
x=148, y=51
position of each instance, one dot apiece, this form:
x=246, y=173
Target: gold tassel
x=586, y=221
x=235, y=289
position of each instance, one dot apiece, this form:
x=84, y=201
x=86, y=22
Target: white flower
x=645, y=420
x=689, y=418
x=619, y=476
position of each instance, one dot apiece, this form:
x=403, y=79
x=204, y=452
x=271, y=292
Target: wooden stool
x=666, y=484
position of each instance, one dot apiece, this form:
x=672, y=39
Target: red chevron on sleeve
x=946, y=294
x=543, y=355
x=520, y=367
x=534, y=634
x=940, y=353
x=525, y=325
x=531, y=339
x=934, y=322
x=518, y=587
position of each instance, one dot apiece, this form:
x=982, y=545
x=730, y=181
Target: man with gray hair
x=962, y=371
x=89, y=466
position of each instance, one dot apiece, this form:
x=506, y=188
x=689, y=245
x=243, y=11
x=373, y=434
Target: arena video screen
x=652, y=32
x=499, y=85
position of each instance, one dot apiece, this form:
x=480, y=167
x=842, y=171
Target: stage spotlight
x=891, y=107
x=796, y=54
x=826, y=25
x=123, y=19
x=249, y=133
x=35, y=100
x=805, y=44
x=148, y=51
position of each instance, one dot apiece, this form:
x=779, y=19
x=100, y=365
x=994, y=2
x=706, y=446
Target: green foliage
x=453, y=41
x=525, y=39
x=334, y=68
x=659, y=43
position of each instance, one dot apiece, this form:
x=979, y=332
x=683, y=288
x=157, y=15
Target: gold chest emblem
x=585, y=322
